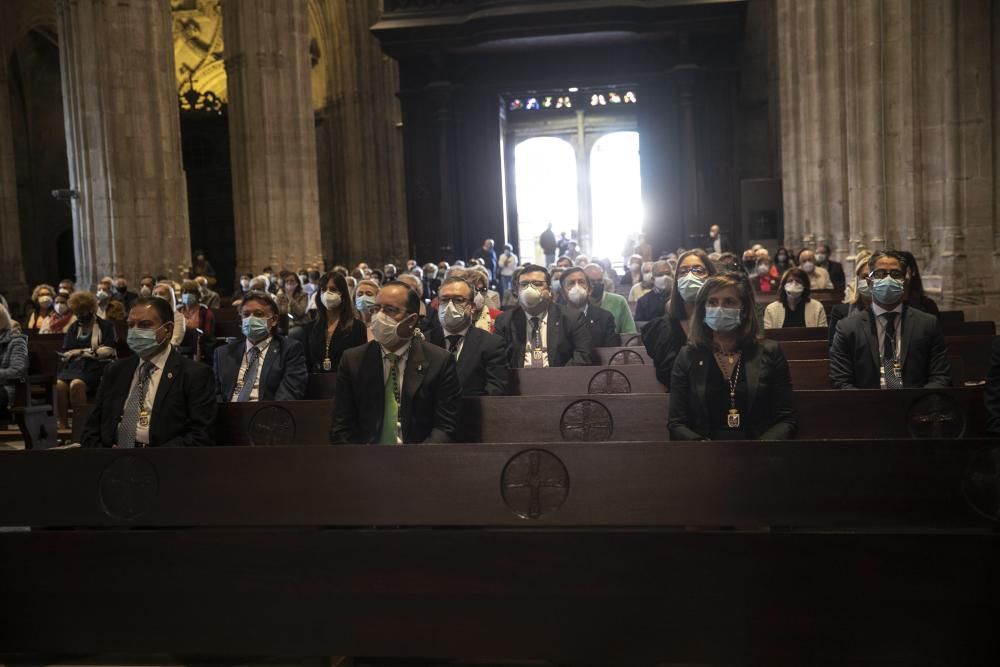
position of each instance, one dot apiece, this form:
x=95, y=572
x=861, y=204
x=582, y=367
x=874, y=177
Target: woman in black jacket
x=728, y=383
x=665, y=336
x=335, y=328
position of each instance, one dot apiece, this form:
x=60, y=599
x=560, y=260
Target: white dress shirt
x=158, y=361
x=543, y=330
x=263, y=346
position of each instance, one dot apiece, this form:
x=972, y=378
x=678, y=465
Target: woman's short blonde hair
x=82, y=301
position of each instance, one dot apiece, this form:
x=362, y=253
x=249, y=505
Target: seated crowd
x=408, y=343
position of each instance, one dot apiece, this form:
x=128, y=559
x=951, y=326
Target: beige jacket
x=774, y=315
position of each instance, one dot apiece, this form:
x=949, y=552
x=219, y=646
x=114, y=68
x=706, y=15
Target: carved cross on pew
x=535, y=471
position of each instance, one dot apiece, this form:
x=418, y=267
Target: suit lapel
x=907, y=330
x=273, y=355
x=236, y=353
x=553, y=332
x=699, y=382
x=519, y=322
x=469, y=359
x=871, y=334
x=413, y=377
x=167, y=376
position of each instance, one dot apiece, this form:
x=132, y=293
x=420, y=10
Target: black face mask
x=597, y=293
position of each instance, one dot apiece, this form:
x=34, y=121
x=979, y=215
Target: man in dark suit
x=653, y=304
x=992, y=393
x=489, y=257
x=835, y=269
x=600, y=323
x=480, y=357
x=264, y=366
x=716, y=241
x=539, y=333
x=888, y=345
x=396, y=389
x=156, y=398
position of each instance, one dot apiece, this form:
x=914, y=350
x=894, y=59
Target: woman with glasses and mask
x=336, y=327
x=914, y=295
x=665, y=336
x=794, y=308
x=728, y=383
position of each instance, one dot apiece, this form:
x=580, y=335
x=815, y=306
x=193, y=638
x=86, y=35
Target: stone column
x=887, y=134
x=123, y=138
x=272, y=134
x=12, y=284
x=363, y=204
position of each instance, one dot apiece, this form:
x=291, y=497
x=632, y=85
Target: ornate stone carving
x=534, y=483
x=586, y=421
x=128, y=487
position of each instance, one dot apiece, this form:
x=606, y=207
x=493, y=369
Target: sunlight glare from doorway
x=616, y=193
x=545, y=178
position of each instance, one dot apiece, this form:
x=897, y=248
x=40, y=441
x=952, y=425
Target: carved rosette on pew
x=625, y=358
x=981, y=488
x=271, y=426
x=609, y=381
x=935, y=415
x=586, y=421
x=534, y=483
x=128, y=487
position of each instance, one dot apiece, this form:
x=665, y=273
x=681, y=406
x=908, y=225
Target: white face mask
x=647, y=277
x=808, y=267
x=660, y=282
x=61, y=308
x=529, y=298
x=577, y=296
x=634, y=266
x=386, y=331
x=794, y=290
x=245, y=284
x=331, y=300
x=479, y=300
x=453, y=318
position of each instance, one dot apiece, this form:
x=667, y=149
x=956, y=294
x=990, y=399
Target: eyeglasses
x=696, y=269
x=391, y=311
x=537, y=284
x=457, y=300
x=879, y=274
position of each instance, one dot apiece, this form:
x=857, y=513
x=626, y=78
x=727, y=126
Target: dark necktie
x=892, y=379
x=136, y=399
x=250, y=376
x=453, y=342
x=536, y=343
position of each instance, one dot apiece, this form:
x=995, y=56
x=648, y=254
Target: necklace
x=730, y=365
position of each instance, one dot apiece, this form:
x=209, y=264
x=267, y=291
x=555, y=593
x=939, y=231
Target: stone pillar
x=363, y=204
x=12, y=284
x=887, y=134
x=272, y=134
x=123, y=138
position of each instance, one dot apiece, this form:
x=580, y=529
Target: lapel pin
x=420, y=368
x=701, y=363
x=170, y=376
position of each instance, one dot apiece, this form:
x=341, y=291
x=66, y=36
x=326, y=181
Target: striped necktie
x=136, y=399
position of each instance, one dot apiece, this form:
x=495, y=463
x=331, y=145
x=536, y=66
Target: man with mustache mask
x=398, y=389
x=888, y=345
x=480, y=357
x=539, y=333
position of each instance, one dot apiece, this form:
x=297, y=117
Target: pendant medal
x=733, y=419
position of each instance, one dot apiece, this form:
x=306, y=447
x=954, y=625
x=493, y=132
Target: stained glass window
x=571, y=98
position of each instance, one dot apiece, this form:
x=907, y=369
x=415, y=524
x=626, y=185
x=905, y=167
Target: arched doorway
x=40, y=159
x=546, y=185
x=615, y=193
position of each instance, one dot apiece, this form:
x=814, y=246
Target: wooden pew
x=321, y=386
x=583, y=380
x=879, y=552
x=848, y=414
x=621, y=356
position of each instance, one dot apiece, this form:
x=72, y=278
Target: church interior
x=265, y=157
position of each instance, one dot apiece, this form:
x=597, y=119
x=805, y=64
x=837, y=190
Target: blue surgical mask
x=688, y=286
x=722, y=319
x=255, y=328
x=887, y=290
x=364, y=302
x=142, y=341
x=189, y=299
x=556, y=285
